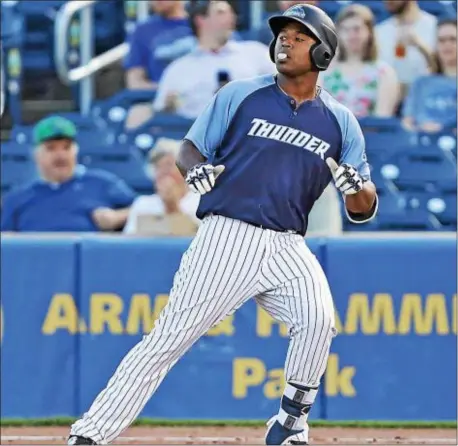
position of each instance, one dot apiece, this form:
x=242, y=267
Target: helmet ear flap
x=272, y=49
x=320, y=56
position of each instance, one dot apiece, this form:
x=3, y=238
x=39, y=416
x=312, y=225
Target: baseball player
x=260, y=155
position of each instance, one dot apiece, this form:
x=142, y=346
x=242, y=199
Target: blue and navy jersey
x=274, y=152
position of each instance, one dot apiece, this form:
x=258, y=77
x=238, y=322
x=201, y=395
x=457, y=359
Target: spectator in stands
x=358, y=79
x=172, y=209
x=407, y=40
x=189, y=83
x=430, y=105
x=264, y=34
x=66, y=197
x=155, y=43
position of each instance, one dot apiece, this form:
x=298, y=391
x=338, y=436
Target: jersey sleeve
x=208, y=130
x=354, y=147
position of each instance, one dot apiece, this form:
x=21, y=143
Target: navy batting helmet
x=320, y=26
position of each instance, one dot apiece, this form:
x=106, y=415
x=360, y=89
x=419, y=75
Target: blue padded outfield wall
x=73, y=306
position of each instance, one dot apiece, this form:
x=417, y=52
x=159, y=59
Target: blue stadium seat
x=125, y=165
x=11, y=149
x=443, y=207
x=382, y=146
x=114, y=110
x=412, y=171
x=17, y=168
x=445, y=141
x=160, y=125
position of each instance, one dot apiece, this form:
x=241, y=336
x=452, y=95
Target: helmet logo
x=296, y=11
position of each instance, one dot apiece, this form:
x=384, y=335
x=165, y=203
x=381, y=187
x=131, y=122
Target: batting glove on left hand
x=201, y=177
x=346, y=177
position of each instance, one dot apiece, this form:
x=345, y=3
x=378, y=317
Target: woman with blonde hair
x=358, y=79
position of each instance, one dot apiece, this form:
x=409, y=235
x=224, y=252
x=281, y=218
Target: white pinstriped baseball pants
x=227, y=263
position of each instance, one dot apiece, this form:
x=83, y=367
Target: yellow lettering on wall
x=226, y=327
x=339, y=381
x=359, y=312
x=264, y=323
x=62, y=314
x=412, y=313
x=140, y=313
x=246, y=372
x=106, y=310
x=275, y=386
x=454, y=314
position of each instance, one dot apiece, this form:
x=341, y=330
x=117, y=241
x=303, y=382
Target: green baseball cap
x=53, y=127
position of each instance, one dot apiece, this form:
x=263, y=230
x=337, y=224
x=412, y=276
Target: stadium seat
x=114, y=110
x=127, y=166
x=16, y=169
x=412, y=171
x=408, y=220
x=443, y=207
x=160, y=125
x=445, y=141
x=13, y=149
x=383, y=146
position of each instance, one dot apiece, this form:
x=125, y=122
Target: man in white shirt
x=189, y=83
x=407, y=40
x=170, y=211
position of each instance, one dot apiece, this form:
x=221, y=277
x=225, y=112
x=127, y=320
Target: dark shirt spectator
x=67, y=197
x=223, y=59
x=156, y=42
x=431, y=102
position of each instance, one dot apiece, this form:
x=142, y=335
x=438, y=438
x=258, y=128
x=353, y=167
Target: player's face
x=56, y=159
x=295, y=42
x=354, y=35
x=446, y=44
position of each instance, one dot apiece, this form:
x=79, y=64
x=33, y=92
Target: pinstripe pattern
x=228, y=262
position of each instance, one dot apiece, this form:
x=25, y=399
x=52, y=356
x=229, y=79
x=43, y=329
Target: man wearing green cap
x=66, y=197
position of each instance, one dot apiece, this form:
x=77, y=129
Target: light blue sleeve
x=353, y=143
x=354, y=147
x=208, y=130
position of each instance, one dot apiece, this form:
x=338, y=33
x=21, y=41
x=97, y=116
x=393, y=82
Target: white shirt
x=414, y=64
x=194, y=77
x=153, y=205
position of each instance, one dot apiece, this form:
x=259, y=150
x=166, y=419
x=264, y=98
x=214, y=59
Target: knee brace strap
x=304, y=395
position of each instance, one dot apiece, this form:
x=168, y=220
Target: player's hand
x=346, y=177
x=201, y=177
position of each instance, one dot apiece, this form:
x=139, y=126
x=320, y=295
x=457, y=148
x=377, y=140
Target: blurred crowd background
x=96, y=97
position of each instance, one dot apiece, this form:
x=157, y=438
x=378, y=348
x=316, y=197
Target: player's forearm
x=363, y=201
x=188, y=157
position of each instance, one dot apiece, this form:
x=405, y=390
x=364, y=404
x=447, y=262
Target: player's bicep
x=209, y=129
x=354, y=148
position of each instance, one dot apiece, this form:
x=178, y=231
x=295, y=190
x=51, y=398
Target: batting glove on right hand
x=201, y=177
x=346, y=177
